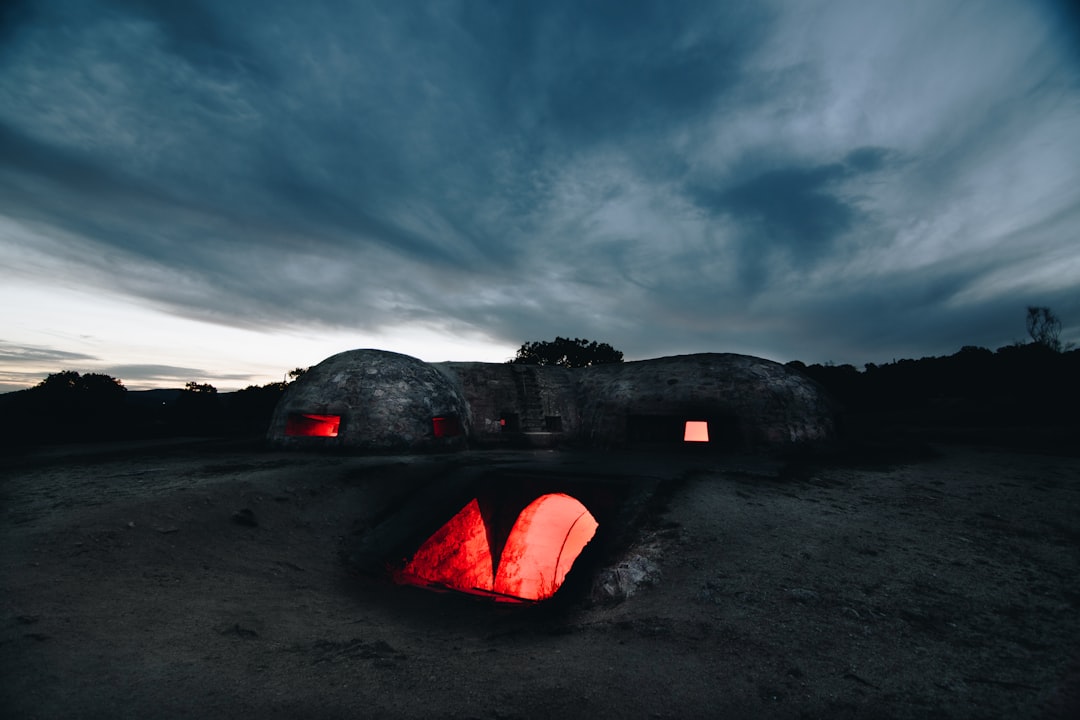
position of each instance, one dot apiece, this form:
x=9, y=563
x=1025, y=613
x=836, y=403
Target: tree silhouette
x=97, y=386
x=69, y=406
x=205, y=388
x=1044, y=327
x=565, y=352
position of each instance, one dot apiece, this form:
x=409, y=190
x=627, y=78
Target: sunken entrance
x=508, y=535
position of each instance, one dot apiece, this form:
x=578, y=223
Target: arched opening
x=545, y=540
x=544, y=543
x=458, y=555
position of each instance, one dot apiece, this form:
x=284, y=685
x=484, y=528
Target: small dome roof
x=372, y=400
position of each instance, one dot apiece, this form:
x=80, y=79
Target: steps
x=531, y=406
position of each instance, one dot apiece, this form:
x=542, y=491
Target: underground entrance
x=541, y=547
x=512, y=536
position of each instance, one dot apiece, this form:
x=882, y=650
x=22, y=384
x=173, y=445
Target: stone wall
x=516, y=404
x=386, y=402
x=750, y=403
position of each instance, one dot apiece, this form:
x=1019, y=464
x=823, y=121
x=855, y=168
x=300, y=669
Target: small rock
x=622, y=581
x=238, y=630
x=804, y=596
x=245, y=517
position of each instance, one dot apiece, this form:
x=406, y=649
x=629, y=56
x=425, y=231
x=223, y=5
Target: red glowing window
x=308, y=425
x=447, y=427
x=696, y=431
x=543, y=544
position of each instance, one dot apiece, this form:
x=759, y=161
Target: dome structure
x=372, y=400
x=378, y=401
x=726, y=400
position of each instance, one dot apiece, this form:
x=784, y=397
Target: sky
x=224, y=191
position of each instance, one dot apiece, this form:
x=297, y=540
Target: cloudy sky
x=222, y=191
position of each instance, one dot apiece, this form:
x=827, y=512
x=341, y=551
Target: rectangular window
x=447, y=427
x=696, y=431
x=553, y=423
x=309, y=425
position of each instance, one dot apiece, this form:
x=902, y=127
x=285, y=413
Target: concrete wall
x=538, y=404
x=387, y=400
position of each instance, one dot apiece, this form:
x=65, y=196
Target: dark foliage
x=1044, y=327
x=69, y=407
x=1029, y=387
x=249, y=410
x=565, y=352
x=203, y=389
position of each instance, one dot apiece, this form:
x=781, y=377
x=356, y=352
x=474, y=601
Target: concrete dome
x=372, y=400
x=747, y=402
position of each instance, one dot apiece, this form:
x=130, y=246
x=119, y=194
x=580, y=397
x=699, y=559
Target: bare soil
x=133, y=585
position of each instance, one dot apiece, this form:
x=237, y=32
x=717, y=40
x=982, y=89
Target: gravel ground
x=131, y=587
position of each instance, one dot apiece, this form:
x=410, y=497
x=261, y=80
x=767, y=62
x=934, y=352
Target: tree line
x=71, y=407
x=1032, y=384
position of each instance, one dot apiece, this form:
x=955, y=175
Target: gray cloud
x=136, y=375
x=11, y=353
x=706, y=176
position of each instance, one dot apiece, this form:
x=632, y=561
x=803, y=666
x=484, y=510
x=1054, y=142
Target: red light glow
x=696, y=431
x=546, y=539
x=445, y=427
x=307, y=425
x=458, y=555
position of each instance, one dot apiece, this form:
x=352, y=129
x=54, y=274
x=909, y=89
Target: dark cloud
x=194, y=31
x=792, y=215
x=639, y=67
x=794, y=207
x=13, y=14
x=868, y=159
x=652, y=175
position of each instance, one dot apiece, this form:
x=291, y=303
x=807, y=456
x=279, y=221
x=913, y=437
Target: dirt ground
x=944, y=587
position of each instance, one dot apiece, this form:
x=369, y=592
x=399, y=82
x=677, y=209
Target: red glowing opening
x=546, y=540
x=696, y=431
x=458, y=555
x=543, y=544
x=446, y=427
x=308, y=425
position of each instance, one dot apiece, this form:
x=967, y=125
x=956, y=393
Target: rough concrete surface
x=206, y=580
